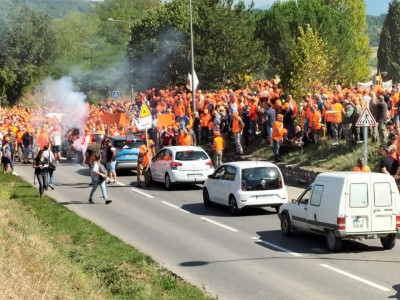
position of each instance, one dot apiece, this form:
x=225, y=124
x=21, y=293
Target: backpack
x=102, y=170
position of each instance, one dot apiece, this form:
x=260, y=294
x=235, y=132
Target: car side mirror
x=211, y=176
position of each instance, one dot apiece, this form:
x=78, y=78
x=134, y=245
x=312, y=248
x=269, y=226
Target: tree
x=224, y=44
x=311, y=63
x=27, y=48
x=388, y=58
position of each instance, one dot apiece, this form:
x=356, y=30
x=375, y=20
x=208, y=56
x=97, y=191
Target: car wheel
x=168, y=184
x=149, y=177
x=206, y=198
x=233, y=206
x=389, y=241
x=286, y=227
x=334, y=243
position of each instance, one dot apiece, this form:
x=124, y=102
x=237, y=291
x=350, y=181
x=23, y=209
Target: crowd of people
x=218, y=119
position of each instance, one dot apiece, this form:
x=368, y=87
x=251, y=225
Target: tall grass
x=49, y=252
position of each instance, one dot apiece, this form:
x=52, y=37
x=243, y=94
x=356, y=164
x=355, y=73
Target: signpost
x=365, y=120
x=145, y=118
x=115, y=94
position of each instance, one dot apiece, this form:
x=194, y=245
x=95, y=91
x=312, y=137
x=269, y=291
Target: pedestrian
x=237, y=129
x=50, y=157
x=347, y=123
x=278, y=132
x=41, y=164
x=111, y=162
x=381, y=119
x=27, y=145
x=219, y=146
x=56, y=143
x=6, y=155
x=99, y=176
x=142, y=165
x=361, y=166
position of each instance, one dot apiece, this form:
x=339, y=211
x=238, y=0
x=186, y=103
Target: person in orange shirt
x=185, y=138
x=278, y=132
x=315, y=124
x=218, y=146
x=205, y=120
x=253, y=114
x=142, y=166
x=361, y=166
x=43, y=139
x=237, y=128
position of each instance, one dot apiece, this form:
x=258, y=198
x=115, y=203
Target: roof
x=251, y=164
x=184, y=148
x=345, y=175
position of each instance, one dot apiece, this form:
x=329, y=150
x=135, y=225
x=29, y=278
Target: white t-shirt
x=49, y=155
x=56, y=138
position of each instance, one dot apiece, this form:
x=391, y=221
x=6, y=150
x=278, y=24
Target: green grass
x=325, y=156
x=83, y=260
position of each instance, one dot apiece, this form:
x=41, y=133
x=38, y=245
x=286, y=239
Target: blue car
x=127, y=151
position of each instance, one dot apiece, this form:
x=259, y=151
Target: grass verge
x=49, y=252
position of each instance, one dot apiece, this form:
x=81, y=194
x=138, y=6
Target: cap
x=345, y=101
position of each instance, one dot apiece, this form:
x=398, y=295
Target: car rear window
x=128, y=144
x=261, y=178
x=190, y=155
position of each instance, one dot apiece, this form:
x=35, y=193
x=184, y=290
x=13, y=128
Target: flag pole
x=192, y=55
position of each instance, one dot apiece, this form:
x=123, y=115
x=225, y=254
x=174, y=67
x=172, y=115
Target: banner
x=365, y=85
x=387, y=85
x=189, y=82
x=165, y=120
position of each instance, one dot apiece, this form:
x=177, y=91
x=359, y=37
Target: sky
x=374, y=7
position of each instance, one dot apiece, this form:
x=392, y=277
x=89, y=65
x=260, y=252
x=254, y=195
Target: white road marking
x=276, y=246
x=379, y=287
x=142, y=193
x=120, y=183
x=219, y=224
x=175, y=206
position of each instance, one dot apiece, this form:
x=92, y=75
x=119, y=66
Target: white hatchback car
x=180, y=164
x=244, y=184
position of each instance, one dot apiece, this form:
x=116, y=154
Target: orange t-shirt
x=218, y=143
x=43, y=140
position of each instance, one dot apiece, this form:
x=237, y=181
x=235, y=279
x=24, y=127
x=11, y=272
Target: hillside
x=54, y=8
x=374, y=28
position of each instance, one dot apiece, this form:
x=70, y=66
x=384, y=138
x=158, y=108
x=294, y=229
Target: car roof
x=184, y=148
x=125, y=137
x=344, y=175
x=250, y=164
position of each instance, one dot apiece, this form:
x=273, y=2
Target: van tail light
x=244, y=185
x=398, y=221
x=209, y=163
x=280, y=185
x=341, y=223
x=174, y=165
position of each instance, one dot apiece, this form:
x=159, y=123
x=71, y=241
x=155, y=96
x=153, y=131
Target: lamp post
x=192, y=54
x=130, y=40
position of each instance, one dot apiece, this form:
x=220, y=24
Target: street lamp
x=130, y=41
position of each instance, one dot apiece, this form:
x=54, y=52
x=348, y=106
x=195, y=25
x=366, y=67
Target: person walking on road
x=111, y=162
x=41, y=164
x=142, y=165
x=99, y=175
x=50, y=157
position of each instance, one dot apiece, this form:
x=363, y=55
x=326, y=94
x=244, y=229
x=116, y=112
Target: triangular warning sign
x=144, y=111
x=366, y=118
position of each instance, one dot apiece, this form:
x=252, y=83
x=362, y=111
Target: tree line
x=114, y=44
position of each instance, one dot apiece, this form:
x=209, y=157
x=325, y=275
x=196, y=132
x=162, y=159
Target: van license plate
x=358, y=222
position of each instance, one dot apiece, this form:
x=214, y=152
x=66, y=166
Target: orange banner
x=165, y=120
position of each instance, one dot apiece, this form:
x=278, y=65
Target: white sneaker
x=335, y=144
x=15, y=173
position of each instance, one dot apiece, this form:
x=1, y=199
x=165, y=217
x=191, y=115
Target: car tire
x=334, y=243
x=235, y=211
x=389, y=241
x=168, y=184
x=149, y=176
x=286, y=226
x=206, y=198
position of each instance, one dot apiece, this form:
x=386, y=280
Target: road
x=243, y=257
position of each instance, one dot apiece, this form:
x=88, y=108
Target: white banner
x=189, y=81
x=387, y=85
x=365, y=85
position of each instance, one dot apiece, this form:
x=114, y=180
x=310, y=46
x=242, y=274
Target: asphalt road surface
x=243, y=257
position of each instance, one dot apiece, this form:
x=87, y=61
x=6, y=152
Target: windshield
x=191, y=155
x=261, y=178
x=128, y=144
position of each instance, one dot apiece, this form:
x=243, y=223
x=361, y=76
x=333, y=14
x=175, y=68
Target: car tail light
x=280, y=185
x=341, y=223
x=174, y=165
x=244, y=185
x=398, y=221
x=209, y=163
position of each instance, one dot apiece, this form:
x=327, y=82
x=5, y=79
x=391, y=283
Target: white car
x=245, y=184
x=180, y=164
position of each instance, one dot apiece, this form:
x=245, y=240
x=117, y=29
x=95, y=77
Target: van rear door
x=358, y=206
x=383, y=207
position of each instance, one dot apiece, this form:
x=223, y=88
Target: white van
x=346, y=205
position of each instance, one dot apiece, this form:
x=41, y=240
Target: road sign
x=145, y=115
x=366, y=118
x=115, y=94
